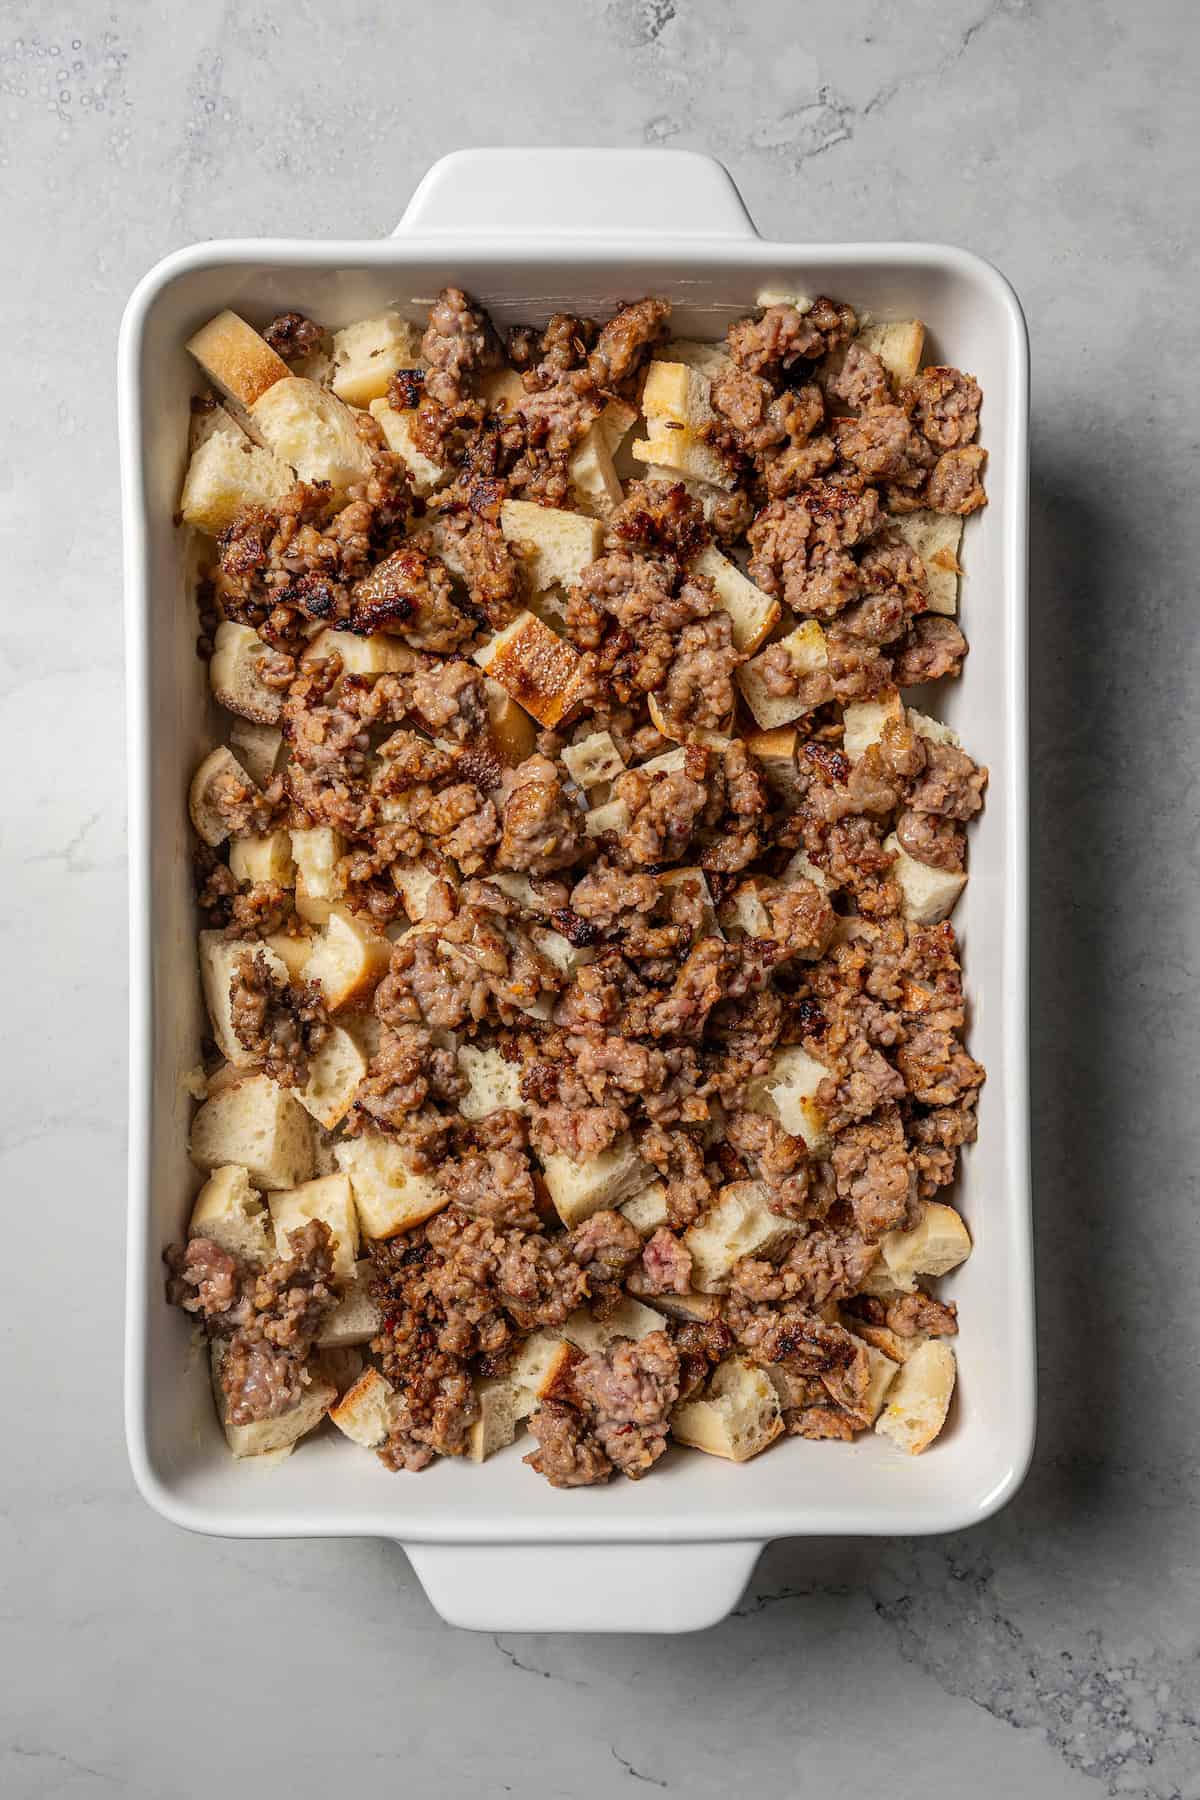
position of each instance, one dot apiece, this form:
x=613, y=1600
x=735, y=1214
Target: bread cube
x=695, y=883
x=929, y=894
x=775, y=752
x=219, y=957
x=541, y=672
x=593, y=760
x=317, y=852
x=753, y=613
x=496, y=1425
x=206, y=815
x=292, y=949
x=676, y=451
x=390, y=1197
x=691, y=1307
x=898, y=343
x=257, y=747
x=377, y=654
x=349, y=959
x=883, y=1372
x=510, y=727
x=367, y=354
x=364, y=1414
x=919, y=1398
x=667, y=762
x=629, y=1319
x=328, y=1198
x=595, y=484
x=355, y=1319
x=788, y=1090
x=933, y=729
x=580, y=1189
x=738, y=1417
x=262, y=1436
x=936, y=538
x=808, y=653
x=553, y=544
x=679, y=731
x=709, y=359
x=647, y=1210
x=232, y=1213
x=240, y=364
x=234, y=677
x=614, y=815
x=863, y=722
x=266, y=857
x=397, y=426
x=739, y=1223
x=933, y=1247
x=226, y=473
x=493, y=1084
x=259, y=1126
x=334, y=1075
x=310, y=428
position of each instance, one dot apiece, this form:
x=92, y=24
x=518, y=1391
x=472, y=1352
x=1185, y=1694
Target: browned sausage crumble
x=738, y=897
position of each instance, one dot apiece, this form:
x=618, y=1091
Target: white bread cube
x=746, y=913
x=262, y=1436
x=258, y=1126
x=775, y=751
x=709, y=359
x=227, y=473
x=257, y=748
x=883, y=1372
x=496, y=1425
x=580, y=1189
x=540, y=1367
x=929, y=894
x=919, y=1398
x=493, y=1084
x=883, y=1285
x=933, y=729
x=349, y=959
x=355, y=1319
x=317, y=852
x=540, y=671
x=389, y=1196
x=328, y=1198
x=510, y=727
x=213, y=421
x=310, y=428
x=593, y=760
x=240, y=364
x=219, y=958
x=368, y=353
x=206, y=816
x=559, y=951
x=690, y=1307
x=233, y=674
x=788, y=1091
x=615, y=424
x=415, y=883
x=397, y=426
x=898, y=343
x=265, y=857
x=933, y=1247
x=334, y=1075
x=775, y=296
x=807, y=652
x=614, y=815
x=293, y=951
x=800, y=867
x=595, y=484
x=936, y=538
x=677, y=452
x=676, y=394
x=738, y=1223
x=554, y=545
x=753, y=613
x=738, y=1417
x=364, y=1413
x=863, y=722
x=647, y=1210
x=377, y=654
x=231, y=1212
x=667, y=762
x=629, y=1319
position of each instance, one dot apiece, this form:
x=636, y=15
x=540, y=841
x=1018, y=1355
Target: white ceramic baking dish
x=495, y=1547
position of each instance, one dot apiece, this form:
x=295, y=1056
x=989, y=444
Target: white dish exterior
x=530, y=232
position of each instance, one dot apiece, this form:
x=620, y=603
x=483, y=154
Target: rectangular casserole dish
x=531, y=232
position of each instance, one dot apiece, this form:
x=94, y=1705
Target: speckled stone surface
x=1050, y=1653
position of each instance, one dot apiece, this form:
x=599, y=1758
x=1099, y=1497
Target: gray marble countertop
x=1052, y=1652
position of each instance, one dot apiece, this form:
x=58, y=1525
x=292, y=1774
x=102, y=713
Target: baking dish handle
x=584, y=1587
x=577, y=193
